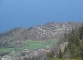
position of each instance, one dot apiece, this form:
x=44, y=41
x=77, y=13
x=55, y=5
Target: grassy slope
x=32, y=45
x=38, y=44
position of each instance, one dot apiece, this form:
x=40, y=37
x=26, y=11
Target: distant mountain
x=47, y=31
x=11, y=33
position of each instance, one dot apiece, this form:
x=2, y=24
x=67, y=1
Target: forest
x=74, y=49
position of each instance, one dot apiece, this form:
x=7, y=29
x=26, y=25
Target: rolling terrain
x=18, y=36
x=35, y=41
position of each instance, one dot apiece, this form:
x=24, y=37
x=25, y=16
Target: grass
x=6, y=49
x=32, y=45
x=29, y=45
x=39, y=44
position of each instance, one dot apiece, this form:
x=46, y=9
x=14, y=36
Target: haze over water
x=27, y=13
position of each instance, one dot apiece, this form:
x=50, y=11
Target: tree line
x=74, y=49
x=75, y=46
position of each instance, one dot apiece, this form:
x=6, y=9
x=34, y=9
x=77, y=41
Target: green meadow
x=32, y=45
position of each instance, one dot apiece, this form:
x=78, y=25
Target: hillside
x=47, y=31
x=41, y=42
x=70, y=47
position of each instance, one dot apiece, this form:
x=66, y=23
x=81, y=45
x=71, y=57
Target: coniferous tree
x=60, y=54
x=81, y=32
x=81, y=49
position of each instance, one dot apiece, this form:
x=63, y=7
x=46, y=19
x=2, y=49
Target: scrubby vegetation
x=74, y=49
x=75, y=46
x=73, y=39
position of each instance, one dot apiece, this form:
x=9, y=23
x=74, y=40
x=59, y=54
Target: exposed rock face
x=62, y=46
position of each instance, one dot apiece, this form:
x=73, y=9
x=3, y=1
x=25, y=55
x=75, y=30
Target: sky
x=27, y=13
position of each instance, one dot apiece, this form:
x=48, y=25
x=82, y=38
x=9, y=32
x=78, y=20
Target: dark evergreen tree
x=50, y=54
x=60, y=54
x=81, y=32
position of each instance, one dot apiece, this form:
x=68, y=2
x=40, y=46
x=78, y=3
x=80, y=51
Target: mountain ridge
x=46, y=32
x=41, y=32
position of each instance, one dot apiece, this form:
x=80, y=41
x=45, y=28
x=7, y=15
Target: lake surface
x=26, y=13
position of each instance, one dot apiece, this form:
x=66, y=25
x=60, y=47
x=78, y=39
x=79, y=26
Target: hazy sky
x=26, y=13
